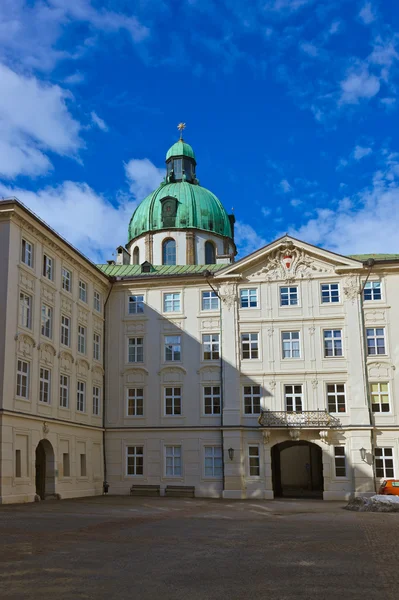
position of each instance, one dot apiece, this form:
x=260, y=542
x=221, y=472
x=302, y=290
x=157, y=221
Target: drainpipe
x=112, y=280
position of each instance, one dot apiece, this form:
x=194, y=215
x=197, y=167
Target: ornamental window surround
x=172, y=345
x=329, y=293
x=172, y=302
x=23, y=372
x=169, y=252
x=65, y=331
x=48, y=267
x=210, y=300
x=81, y=396
x=27, y=253
x=210, y=253
x=82, y=339
x=332, y=343
x=82, y=291
x=135, y=402
x=250, y=346
x=25, y=310
x=96, y=400
x=211, y=346
x=293, y=395
x=136, y=304
x=380, y=397
x=372, y=291
x=289, y=296
x=47, y=321
x=96, y=346
x=375, y=340
x=254, y=461
x=64, y=391
x=336, y=401
x=44, y=387
x=97, y=301
x=249, y=298
x=172, y=401
x=136, y=350
x=66, y=278
x=291, y=344
x=173, y=461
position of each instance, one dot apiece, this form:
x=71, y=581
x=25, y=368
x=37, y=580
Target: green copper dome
x=180, y=148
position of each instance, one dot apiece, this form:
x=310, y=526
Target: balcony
x=306, y=419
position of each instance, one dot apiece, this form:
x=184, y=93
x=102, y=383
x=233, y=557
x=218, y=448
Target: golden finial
x=181, y=127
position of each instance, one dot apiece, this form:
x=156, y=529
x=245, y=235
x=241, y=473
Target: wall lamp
x=363, y=453
x=231, y=453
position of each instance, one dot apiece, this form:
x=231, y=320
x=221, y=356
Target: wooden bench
x=145, y=490
x=180, y=491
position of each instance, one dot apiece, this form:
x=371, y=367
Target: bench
x=180, y=491
x=145, y=490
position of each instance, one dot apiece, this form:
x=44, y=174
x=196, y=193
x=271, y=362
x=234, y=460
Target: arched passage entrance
x=297, y=469
x=45, y=469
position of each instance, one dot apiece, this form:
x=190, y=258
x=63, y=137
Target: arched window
x=136, y=256
x=169, y=252
x=210, y=258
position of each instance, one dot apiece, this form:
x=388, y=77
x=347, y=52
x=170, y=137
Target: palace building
x=177, y=368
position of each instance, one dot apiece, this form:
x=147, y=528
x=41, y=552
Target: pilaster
x=190, y=248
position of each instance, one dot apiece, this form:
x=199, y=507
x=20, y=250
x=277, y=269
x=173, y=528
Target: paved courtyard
x=149, y=548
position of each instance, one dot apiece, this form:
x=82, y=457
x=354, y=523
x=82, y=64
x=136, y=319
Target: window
x=332, y=342
x=289, y=296
x=136, y=350
x=66, y=280
x=96, y=346
x=210, y=257
x=23, y=368
x=249, y=298
x=173, y=461
x=27, y=253
x=65, y=330
x=136, y=256
x=83, y=465
x=212, y=400
x=65, y=465
x=81, y=339
x=171, y=302
x=336, y=397
x=172, y=348
x=254, y=461
x=169, y=252
x=81, y=397
x=213, y=461
x=340, y=461
x=291, y=344
x=372, y=291
x=375, y=340
x=210, y=346
x=48, y=267
x=384, y=462
x=135, y=460
x=97, y=301
x=64, y=391
x=44, y=391
x=47, y=321
x=210, y=301
x=293, y=398
x=329, y=292
x=252, y=399
x=379, y=397
x=82, y=291
x=135, y=402
x=96, y=400
x=136, y=305
x=25, y=310
x=173, y=401
x=18, y=464
x=249, y=345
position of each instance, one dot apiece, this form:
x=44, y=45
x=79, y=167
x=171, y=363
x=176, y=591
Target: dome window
x=169, y=211
x=169, y=252
x=136, y=256
x=210, y=258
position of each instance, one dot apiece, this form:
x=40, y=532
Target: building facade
x=175, y=365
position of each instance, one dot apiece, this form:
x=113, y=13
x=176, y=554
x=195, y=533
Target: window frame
x=291, y=343
x=330, y=295
x=289, y=293
x=335, y=395
x=65, y=328
x=48, y=319
x=96, y=346
x=376, y=337
x=210, y=298
x=66, y=280
x=136, y=347
x=176, y=406
x=251, y=395
x=379, y=394
x=249, y=290
x=48, y=267
x=211, y=344
x=96, y=400
x=293, y=396
x=212, y=404
x=369, y=285
x=25, y=310
x=173, y=456
x=82, y=339
x=134, y=398
x=383, y=457
x=213, y=458
x=62, y=388
x=26, y=252
x=338, y=457
x=171, y=348
x=20, y=375
x=80, y=396
x=253, y=345
x=138, y=305
x=97, y=301
x=83, y=288
x=165, y=259
x=44, y=385
x=253, y=457
x=173, y=300
x=334, y=347
x=136, y=463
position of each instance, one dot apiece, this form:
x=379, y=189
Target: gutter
x=105, y=483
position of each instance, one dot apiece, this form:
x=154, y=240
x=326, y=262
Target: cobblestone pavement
x=149, y=548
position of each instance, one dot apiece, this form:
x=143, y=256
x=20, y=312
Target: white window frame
x=96, y=400
x=253, y=458
x=334, y=395
x=246, y=294
x=290, y=297
x=66, y=279
x=97, y=301
x=137, y=454
x=65, y=331
x=172, y=299
x=96, y=346
x=27, y=250
x=330, y=293
x=135, y=402
x=44, y=385
x=250, y=398
x=23, y=378
x=175, y=454
x=381, y=455
x=209, y=300
x=172, y=348
x=173, y=401
x=336, y=349
x=47, y=321
x=372, y=286
x=215, y=400
x=375, y=336
x=135, y=350
x=135, y=304
x=82, y=339
x=83, y=291
x=250, y=345
x=340, y=462
x=25, y=309
x=48, y=267
x=295, y=397
x=291, y=345
x=64, y=390
x=378, y=395
x=210, y=346
x=81, y=396
x=213, y=462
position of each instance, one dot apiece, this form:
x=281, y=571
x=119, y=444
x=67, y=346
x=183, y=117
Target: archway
x=297, y=470
x=45, y=470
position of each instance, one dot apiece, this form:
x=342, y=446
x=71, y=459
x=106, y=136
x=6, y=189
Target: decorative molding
x=25, y=344
x=47, y=353
x=47, y=294
x=66, y=305
x=83, y=315
x=45, y=428
x=136, y=327
x=315, y=383
x=82, y=366
x=295, y=434
x=66, y=360
x=210, y=324
x=228, y=294
x=26, y=281
x=312, y=330
x=174, y=369
x=351, y=287
x=266, y=436
x=134, y=370
x=272, y=384
x=374, y=316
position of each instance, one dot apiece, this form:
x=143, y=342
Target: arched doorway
x=45, y=470
x=297, y=470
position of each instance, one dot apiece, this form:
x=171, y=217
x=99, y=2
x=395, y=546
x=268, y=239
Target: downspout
x=112, y=280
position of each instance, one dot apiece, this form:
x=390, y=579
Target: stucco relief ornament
x=46, y=429
x=266, y=436
x=272, y=385
x=228, y=295
x=315, y=383
x=351, y=287
x=25, y=344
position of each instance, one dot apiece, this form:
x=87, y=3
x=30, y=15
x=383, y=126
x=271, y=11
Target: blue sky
x=291, y=107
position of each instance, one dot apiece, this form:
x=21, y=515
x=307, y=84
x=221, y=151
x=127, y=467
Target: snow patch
x=377, y=503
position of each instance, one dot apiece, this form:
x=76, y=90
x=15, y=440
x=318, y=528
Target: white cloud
x=265, y=211
x=359, y=84
x=367, y=14
x=309, y=49
x=246, y=239
x=143, y=176
x=361, y=151
x=285, y=186
x=100, y=123
x=285, y=6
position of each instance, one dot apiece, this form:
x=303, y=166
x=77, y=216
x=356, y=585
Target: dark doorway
x=297, y=470
x=45, y=470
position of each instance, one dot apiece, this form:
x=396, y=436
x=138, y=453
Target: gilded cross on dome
x=181, y=127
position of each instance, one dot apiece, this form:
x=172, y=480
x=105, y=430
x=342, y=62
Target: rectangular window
x=64, y=391
x=82, y=291
x=48, y=267
x=135, y=460
x=336, y=397
x=44, y=392
x=249, y=298
x=136, y=350
x=332, y=343
x=372, y=291
x=375, y=340
x=83, y=465
x=210, y=301
x=97, y=301
x=213, y=461
x=252, y=399
x=384, y=463
x=171, y=302
x=291, y=344
x=135, y=402
x=47, y=321
x=23, y=368
x=27, y=253
x=173, y=466
x=136, y=305
x=173, y=401
x=329, y=292
x=65, y=330
x=212, y=400
x=379, y=397
x=96, y=346
x=249, y=345
x=211, y=346
x=65, y=465
x=66, y=277
x=96, y=400
x=293, y=398
x=172, y=345
x=254, y=461
x=25, y=310
x=18, y=464
x=81, y=339
x=289, y=296
x=340, y=461
x=81, y=397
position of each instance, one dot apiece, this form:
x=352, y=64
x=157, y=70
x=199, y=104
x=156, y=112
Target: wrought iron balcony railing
x=306, y=418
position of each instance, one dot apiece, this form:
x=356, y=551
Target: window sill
x=49, y=282
x=21, y=398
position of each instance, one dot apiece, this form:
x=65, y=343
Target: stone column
x=149, y=254
x=190, y=248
